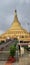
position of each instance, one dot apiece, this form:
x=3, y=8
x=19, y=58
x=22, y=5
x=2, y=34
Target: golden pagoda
x=16, y=31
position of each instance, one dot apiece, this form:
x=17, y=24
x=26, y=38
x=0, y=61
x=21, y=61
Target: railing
x=4, y=55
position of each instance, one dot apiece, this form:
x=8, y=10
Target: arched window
x=22, y=36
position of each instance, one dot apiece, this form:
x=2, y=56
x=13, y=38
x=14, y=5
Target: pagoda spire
x=15, y=15
x=15, y=12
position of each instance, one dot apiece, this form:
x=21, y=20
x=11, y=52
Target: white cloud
x=27, y=1
x=1, y=31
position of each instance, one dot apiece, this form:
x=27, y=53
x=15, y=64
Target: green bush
x=16, y=42
x=26, y=47
x=12, y=50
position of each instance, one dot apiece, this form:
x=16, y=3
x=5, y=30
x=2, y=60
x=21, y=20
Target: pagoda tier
x=16, y=30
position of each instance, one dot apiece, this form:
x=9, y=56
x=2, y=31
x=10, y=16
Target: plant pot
x=11, y=59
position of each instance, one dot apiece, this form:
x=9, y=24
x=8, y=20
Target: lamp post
x=21, y=49
x=19, y=44
x=19, y=41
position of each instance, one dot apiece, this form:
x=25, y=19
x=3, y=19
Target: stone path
x=24, y=60
x=2, y=62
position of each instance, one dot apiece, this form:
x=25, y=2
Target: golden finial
x=15, y=12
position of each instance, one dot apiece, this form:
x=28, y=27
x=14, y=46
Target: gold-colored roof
x=16, y=25
x=16, y=30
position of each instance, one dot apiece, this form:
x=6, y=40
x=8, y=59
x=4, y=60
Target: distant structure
x=16, y=31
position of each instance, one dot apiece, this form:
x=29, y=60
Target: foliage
x=16, y=42
x=12, y=50
x=26, y=47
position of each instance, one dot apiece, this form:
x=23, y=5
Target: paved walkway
x=8, y=63
x=24, y=60
x=2, y=62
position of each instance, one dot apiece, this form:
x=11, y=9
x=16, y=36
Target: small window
x=22, y=36
x=21, y=41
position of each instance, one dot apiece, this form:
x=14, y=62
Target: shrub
x=12, y=50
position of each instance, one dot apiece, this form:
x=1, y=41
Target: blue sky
x=7, y=8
